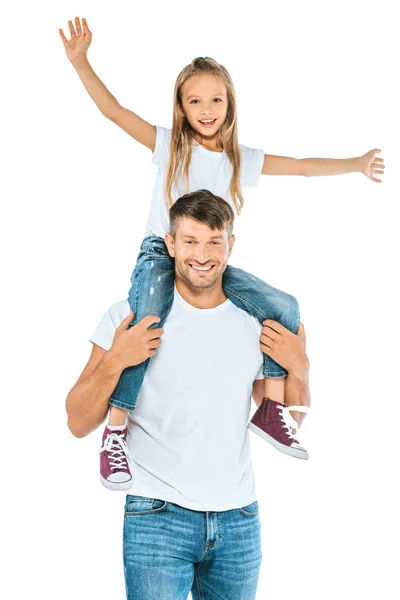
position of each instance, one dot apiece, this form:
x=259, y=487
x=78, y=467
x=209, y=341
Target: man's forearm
x=87, y=402
x=297, y=393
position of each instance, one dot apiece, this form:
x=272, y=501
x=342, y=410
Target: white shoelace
x=290, y=423
x=116, y=445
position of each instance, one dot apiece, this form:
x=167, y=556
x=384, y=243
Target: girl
x=201, y=151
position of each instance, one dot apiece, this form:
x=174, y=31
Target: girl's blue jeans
x=152, y=293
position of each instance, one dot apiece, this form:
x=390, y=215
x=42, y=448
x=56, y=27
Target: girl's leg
x=151, y=293
x=271, y=421
x=117, y=416
x=275, y=389
x=263, y=301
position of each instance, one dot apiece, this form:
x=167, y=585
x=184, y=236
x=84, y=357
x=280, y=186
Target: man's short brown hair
x=205, y=207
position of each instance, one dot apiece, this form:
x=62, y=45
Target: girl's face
x=204, y=98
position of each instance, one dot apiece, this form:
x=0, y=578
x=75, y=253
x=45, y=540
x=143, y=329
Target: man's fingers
x=153, y=334
x=269, y=332
x=148, y=321
x=301, y=332
x=266, y=339
x=154, y=344
x=277, y=327
x=125, y=323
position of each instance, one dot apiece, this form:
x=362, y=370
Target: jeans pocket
x=139, y=505
x=251, y=509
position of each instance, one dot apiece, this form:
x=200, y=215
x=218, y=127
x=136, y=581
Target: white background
x=312, y=79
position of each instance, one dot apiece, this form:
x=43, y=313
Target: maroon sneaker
x=115, y=473
x=273, y=423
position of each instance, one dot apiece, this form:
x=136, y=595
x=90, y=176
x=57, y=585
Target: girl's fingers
x=85, y=26
x=78, y=26
x=71, y=29
x=62, y=36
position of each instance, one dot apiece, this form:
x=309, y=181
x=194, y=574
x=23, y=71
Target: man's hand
x=131, y=346
x=285, y=347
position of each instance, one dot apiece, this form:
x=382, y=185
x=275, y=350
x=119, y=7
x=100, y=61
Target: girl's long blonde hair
x=183, y=135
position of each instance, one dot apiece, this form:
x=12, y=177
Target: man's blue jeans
x=170, y=551
x=152, y=293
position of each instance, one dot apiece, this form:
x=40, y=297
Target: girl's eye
x=191, y=102
x=219, y=99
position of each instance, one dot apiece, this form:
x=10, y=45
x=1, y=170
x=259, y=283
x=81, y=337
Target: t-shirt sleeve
x=161, y=149
x=252, y=163
x=104, y=333
x=260, y=374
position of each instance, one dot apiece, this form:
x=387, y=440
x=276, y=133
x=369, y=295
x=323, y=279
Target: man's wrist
x=112, y=364
x=301, y=370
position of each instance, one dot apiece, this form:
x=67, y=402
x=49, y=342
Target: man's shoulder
x=118, y=311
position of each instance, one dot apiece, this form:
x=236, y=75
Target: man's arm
x=288, y=350
x=87, y=401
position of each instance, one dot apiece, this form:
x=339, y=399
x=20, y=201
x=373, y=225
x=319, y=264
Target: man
x=191, y=515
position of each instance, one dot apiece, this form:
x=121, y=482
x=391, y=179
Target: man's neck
x=201, y=298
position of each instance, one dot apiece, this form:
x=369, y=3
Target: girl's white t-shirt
x=208, y=170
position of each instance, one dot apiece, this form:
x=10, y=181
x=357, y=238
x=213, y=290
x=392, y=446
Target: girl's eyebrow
x=197, y=95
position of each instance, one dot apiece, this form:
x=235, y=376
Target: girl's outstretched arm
x=369, y=164
x=76, y=49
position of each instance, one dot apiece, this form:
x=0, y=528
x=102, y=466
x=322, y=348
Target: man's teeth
x=201, y=268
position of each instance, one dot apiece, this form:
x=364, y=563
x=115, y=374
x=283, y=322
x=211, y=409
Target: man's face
x=201, y=254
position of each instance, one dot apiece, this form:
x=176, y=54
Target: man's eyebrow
x=213, y=237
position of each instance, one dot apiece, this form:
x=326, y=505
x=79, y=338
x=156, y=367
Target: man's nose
x=201, y=253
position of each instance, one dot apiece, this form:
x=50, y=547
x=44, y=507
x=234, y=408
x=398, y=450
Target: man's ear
x=231, y=244
x=170, y=243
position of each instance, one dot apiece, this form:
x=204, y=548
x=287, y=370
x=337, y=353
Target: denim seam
x=246, y=301
x=197, y=578
x=260, y=311
x=122, y=405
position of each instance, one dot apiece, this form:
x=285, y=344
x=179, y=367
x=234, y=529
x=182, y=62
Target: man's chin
x=200, y=282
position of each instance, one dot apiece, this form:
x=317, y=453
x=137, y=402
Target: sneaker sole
x=110, y=485
x=281, y=447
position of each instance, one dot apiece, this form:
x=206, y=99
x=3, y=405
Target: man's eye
x=216, y=243
x=189, y=242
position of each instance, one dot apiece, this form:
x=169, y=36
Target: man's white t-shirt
x=188, y=435
x=208, y=170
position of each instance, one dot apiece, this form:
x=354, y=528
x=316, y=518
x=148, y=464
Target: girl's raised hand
x=79, y=43
x=371, y=166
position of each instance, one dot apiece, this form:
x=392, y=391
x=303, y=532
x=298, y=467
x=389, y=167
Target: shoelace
x=287, y=418
x=116, y=446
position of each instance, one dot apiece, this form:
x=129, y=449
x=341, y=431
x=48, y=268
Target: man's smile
x=204, y=268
